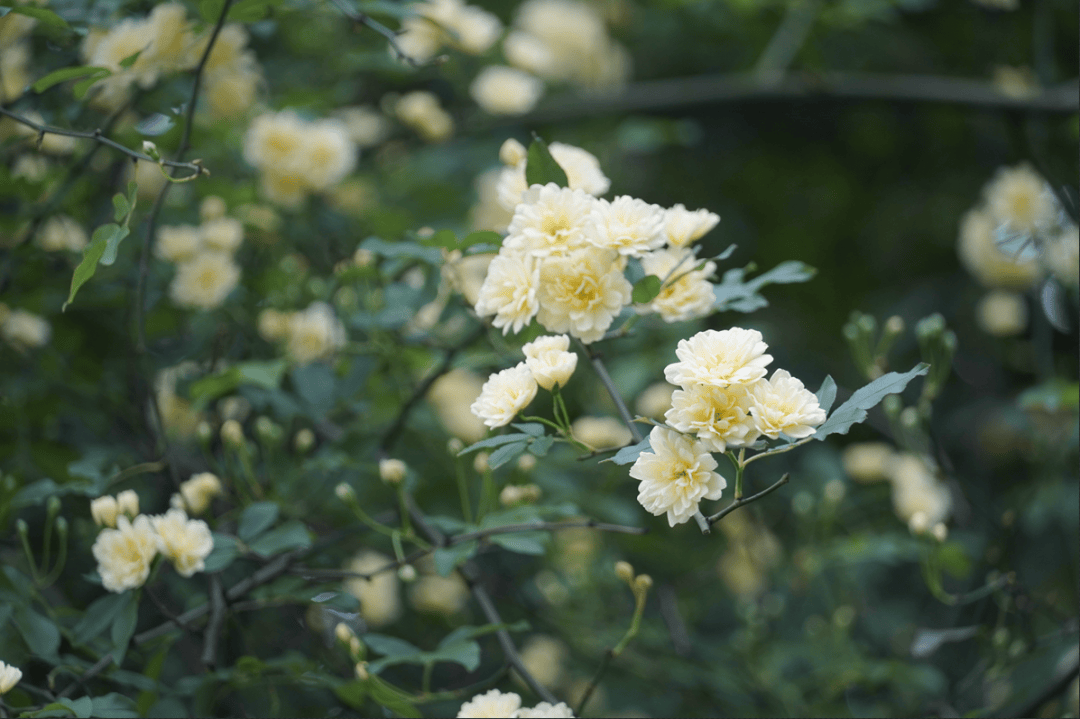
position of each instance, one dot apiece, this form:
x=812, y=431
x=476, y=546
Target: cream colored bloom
x=185, y=542
x=919, y=498
x=178, y=243
x=545, y=710
x=445, y=596
x=223, y=234
x=422, y=111
x=504, y=395
x=783, y=404
x=626, y=225
x=719, y=416
x=687, y=293
x=127, y=502
x=655, y=400
x=867, y=461
x=573, y=31
x=24, y=330
x=392, y=471
x=582, y=173
x=314, y=334
x=675, y=476
x=418, y=39
x=1019, y=198
x=513, y=494
x=451, y=397
x=275, y=141
x=104, y=511
x=273, y=325
x=488, y=213
x=509, y=291
x=601, y=432
x=366, y=126
x=982, y=257
x=682, y=227
x=60, y=232
x=205, y=280
x=1063, y=256
x=505, y=90
x=492, y=704
x=380, y=603
x=581, y=293
x=9, y=677
x=550, y=221
x=1002, y=313
x=329, y=154
x=719, y=358
x=476, y=30
x=529, y=52
x=549, y=361
x=124, y=554
x=545, y=658
x=198, y=491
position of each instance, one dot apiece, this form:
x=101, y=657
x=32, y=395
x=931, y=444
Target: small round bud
x=392, y=471
x=526, y=462
x=512, y=152
x=363, y=257
x=835, y=491
x=344, y=492
x=909, y=417
x=355, y=646
x=212, y=208
x=304, y=440
x=407, y=573
x=940, y=532
x=127, y=502
x=52, y=506
x=643, y=582
x=624, y=571
x=104, y=511
x=204, y=431
x=343, y=633
x=362, y=672
x=919, y=523
x=151, y=149
x=931, y=326
x=177, y=502
x=22, y=527
x=480, y=463
x=894, y=325
x=264, y=427
x=232, y=434
x=454, y=445
x=62, y=527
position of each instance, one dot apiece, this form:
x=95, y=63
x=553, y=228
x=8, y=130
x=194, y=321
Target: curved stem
x=752, y=498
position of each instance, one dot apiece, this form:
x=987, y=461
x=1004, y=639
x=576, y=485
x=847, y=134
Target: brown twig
x=361, y=18
x=601, y=371
x=747, y=500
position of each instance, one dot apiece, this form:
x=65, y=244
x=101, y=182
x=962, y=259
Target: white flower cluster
x=498, y=704
x=23, y=330
x=105, y=510
x=563, y=259
x=61, y=233
x=724, y=400
x=297, y=156
x=422, y=111
x=920, y=499
x=205, y=270
x=166, y=44
x=436, y=23
x=308, y=335
x=548, y=363
x=197, y=493
x=125, y=554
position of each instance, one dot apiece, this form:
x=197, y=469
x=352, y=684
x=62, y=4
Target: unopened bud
x=909, y=417
x=526, y=463
x=362, y=672
x=454, y=445
x=940, y=532
x=62, y=528
x=894, y=325
x=127, y=502
x=304, y=440
x=22, y=527
x=343, y=633
x=344, y=492
x=624, y=571
x=512, y=152
x=52, y=506
x=480, y=463
x=204, y=431
x=392, y=471
x=919, y=523
x=407, y=573
x=643, y=582
x=355, y=646
x=363, y=257
x=151, y=149
x=232, y=434
x=104, y=511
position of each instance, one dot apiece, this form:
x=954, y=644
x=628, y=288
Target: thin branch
x=788, y=39
x=1057, y=687
x=777, y=450
x=213, y=627
x=747, y=500
x=98, y=667
x=98, y=136
x=361, y=18
x=470, y=573
x=598, y=364
x=391, y=434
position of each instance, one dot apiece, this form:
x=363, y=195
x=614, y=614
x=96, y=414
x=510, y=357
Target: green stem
x=425, y=684
x=463, y=491
x=406, y=523
x=739, y=469
x=543, y=421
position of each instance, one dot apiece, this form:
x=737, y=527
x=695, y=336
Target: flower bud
x=362, y=672
x=62, y=528
x=52, y=506
x=512, y=152
x=454, y=445
x=642, y=583
x=343, y=633
x=363, y=257
x=127, y=502
x=304, y=440
x=940, y=532
x=392, y=471
x=407, y=573
x=894, y=325
x=267, y=430
x=344, y=492
x=919, y=523
x=356, y=647
x=526, y=462
x=151, y=149
x=204, y=431
x=104, y=511
x=480, y=462
x=624, y=571
x=232, y=434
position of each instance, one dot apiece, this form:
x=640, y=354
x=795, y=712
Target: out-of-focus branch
x=213, y=627
x=743, y=87
x=361, y=18
x=601, y=371
x=787, y=40
x=99, y=136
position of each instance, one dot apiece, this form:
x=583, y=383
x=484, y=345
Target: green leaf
x=481, y=237
x=251, y=10
x=265, y=374
x=83, y=86
x=390, y=646
x=113, y=706
x=646, y=289
x=496, y=441
x=627, y=455
x=533, y=429
x=291, y=535
x=97, y=616
x=39, y=13
x=442, y=238
x=222, y=555
x=827, y=394
x=88, y=265
x=256, y=519
x=854, y=410
x=69, y=73
x=448, y=558
x=391, y=698
x=41, y=635
x=733, y=293
x=56, y=709
x=541, y=168
x=155, y=125
x=130, y=60
x=121, y=207
x=352, y=693
x=112, y=242
x=506, y=453
x=210, y=10
x=524, y=543
x=124, y=627
x=540, y=446
x=465, y=652
x=403, y=249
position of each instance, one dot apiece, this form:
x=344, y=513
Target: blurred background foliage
x=816, y=601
